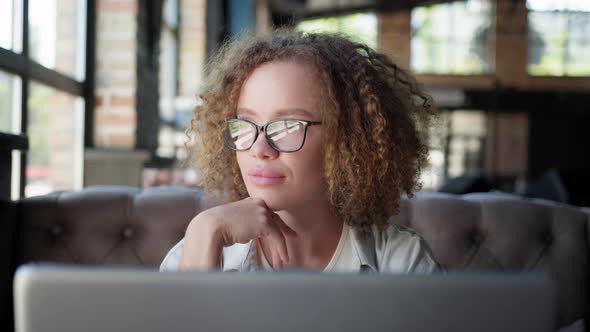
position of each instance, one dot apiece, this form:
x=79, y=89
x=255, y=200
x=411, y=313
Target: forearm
x=202, y=247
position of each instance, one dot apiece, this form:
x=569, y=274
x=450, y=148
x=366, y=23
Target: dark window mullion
x=55, y=79
x=88, y=85
x=24, y=94
x=12, y=62
x=28, y=69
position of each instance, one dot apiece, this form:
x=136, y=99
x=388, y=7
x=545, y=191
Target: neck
x=318, y=228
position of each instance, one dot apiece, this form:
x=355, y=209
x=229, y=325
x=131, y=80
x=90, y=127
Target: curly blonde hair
x=374, y=121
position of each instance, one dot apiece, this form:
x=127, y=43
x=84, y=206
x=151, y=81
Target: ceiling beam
x=299, y=8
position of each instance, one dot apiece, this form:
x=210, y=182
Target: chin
x=274, y=200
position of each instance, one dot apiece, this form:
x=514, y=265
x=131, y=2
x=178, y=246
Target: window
x=54, y=159
x=9, y=99
x=559, y=38
x=56, y=35
x=433, y=173
x=456, y=147
x=466, y=138
x=360, y=27
x=452, y=38
x=47, y=63
x=9, y=24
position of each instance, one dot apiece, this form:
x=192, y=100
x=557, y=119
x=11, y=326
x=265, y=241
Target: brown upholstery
x=105, y=225
x=120, y=225
x=490, y=231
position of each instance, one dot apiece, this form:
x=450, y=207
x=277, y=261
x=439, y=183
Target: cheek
x=242, y=161
x=311, y=163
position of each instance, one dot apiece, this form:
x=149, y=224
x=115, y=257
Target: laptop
x=74, y=298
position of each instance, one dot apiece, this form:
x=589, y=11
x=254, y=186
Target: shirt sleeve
x=172, y=260
x=407, y=252
x=423, y=260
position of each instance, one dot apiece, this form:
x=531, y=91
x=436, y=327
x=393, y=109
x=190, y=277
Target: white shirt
x=398, y=249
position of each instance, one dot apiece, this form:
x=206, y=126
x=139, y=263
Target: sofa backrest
x=488, y=231
x=493, y=231
x=105, y=225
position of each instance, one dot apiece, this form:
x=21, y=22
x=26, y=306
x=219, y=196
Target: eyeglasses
x=283, y=135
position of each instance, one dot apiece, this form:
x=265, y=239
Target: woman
x=313, y=138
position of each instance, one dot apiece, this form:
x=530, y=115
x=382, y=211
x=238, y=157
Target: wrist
x=210, y=228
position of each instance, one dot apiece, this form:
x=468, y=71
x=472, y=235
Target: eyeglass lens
x=284, y=135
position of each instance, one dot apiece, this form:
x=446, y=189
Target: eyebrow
x=279, y=112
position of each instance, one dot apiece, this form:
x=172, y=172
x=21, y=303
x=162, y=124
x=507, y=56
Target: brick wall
x=116, y=52
x=192, y=46
x=394, y=36
x=507, y=144
x=115, y=118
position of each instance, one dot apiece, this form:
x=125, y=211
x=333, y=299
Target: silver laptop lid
x=67, y=299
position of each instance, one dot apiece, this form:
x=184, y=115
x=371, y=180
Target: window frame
x=22, y=65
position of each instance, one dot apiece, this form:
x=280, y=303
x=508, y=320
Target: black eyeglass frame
x=263, y=129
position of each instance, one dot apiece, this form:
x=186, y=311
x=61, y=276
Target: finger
x=276, y=260
x=279, y=264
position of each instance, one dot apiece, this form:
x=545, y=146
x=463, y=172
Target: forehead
x=280, y=88
x=300, y=112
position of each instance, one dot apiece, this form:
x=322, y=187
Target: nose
x=261, y=149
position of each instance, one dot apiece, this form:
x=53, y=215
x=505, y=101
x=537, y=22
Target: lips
x=265, y=177
x=265, y=172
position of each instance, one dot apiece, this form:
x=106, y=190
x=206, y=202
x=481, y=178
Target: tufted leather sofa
x=129, y=226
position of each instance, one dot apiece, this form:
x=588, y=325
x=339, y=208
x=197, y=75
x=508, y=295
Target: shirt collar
x=365, y=250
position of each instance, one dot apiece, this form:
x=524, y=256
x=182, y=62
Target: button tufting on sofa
x=127, y=232
x=56, y=230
